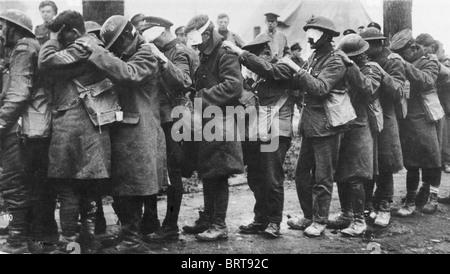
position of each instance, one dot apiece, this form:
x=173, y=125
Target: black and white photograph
x=224, y=132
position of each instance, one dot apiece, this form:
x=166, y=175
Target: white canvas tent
x=294, y=14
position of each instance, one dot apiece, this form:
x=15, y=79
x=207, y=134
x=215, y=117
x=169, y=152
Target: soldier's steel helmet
x=19, y=18
x=322, y=23
x=112, y=28
x=372, y=33
x=92, y=26
x=353, y=45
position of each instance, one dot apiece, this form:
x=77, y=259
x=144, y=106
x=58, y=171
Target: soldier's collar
x=171, y=44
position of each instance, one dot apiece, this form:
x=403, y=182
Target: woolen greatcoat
x=138, y=146
x=356, y=155
x=275, y=81
x=176, y=79
x=390, y=157
x=77, y=150
x=219, y=82
x=419, y=137
x=327, y=74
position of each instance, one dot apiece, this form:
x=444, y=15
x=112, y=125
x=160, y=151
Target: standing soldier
x=319, y=151
x=100, y=222
x=356, y=156
x=431, y=46
x=418, y=135
x=177, y=72
x=222, y=22
x=48, y=10
x=79, y=153
x=390, y=159
x=24, y=144
x=138, y=150
x=278, y=41
x=181, y=35
x=218, y=83
x=265, y=169
x=138, y=21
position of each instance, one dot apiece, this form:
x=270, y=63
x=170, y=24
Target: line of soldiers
x=54, y=145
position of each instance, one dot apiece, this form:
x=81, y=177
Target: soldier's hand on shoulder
x=347, y=61
x=158, y=54
x=382, y=71
x=87, y=45
x=231, y=46
x=396, y=56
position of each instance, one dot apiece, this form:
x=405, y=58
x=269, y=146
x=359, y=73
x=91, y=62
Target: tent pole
x=397, y=15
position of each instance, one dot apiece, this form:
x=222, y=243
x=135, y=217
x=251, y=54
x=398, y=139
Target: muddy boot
x=272, y=230
x=432, y=205
x=342, y=221
x=299, y=223
x=164, y=234
x=315, y=230
x=214, y=233
x=357, y=228
x=17, y=242
x=423, y=196
x=63, y=246
x=130, y=240
x=128, y=247
x=253, y=228
x=202, y=224
x=384, y=214
x=445, y=200
x=410, y=205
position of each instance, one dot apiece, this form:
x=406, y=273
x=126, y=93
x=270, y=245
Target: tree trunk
x=397, y=15
x=99, y=11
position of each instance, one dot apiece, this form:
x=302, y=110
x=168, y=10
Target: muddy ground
x=420, y=233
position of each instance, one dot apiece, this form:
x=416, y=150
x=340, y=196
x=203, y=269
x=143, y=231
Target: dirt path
x=418, y=234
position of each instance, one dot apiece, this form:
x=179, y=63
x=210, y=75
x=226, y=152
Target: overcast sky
x=430, y=16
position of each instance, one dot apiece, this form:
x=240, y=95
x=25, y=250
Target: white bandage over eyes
x=152, y=33
x=194, y=37
x=314, y=34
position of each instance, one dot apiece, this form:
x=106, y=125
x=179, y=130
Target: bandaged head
x=313, y=35
x=194, y=37
x=152, y=33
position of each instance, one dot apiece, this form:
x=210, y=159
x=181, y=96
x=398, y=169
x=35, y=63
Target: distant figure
x=374, y=25
x=348, y=31
x=278, y=41
x=138, y=21
x=181, y=35
x=48, y=10
x=222, y=22
x=296, y=51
